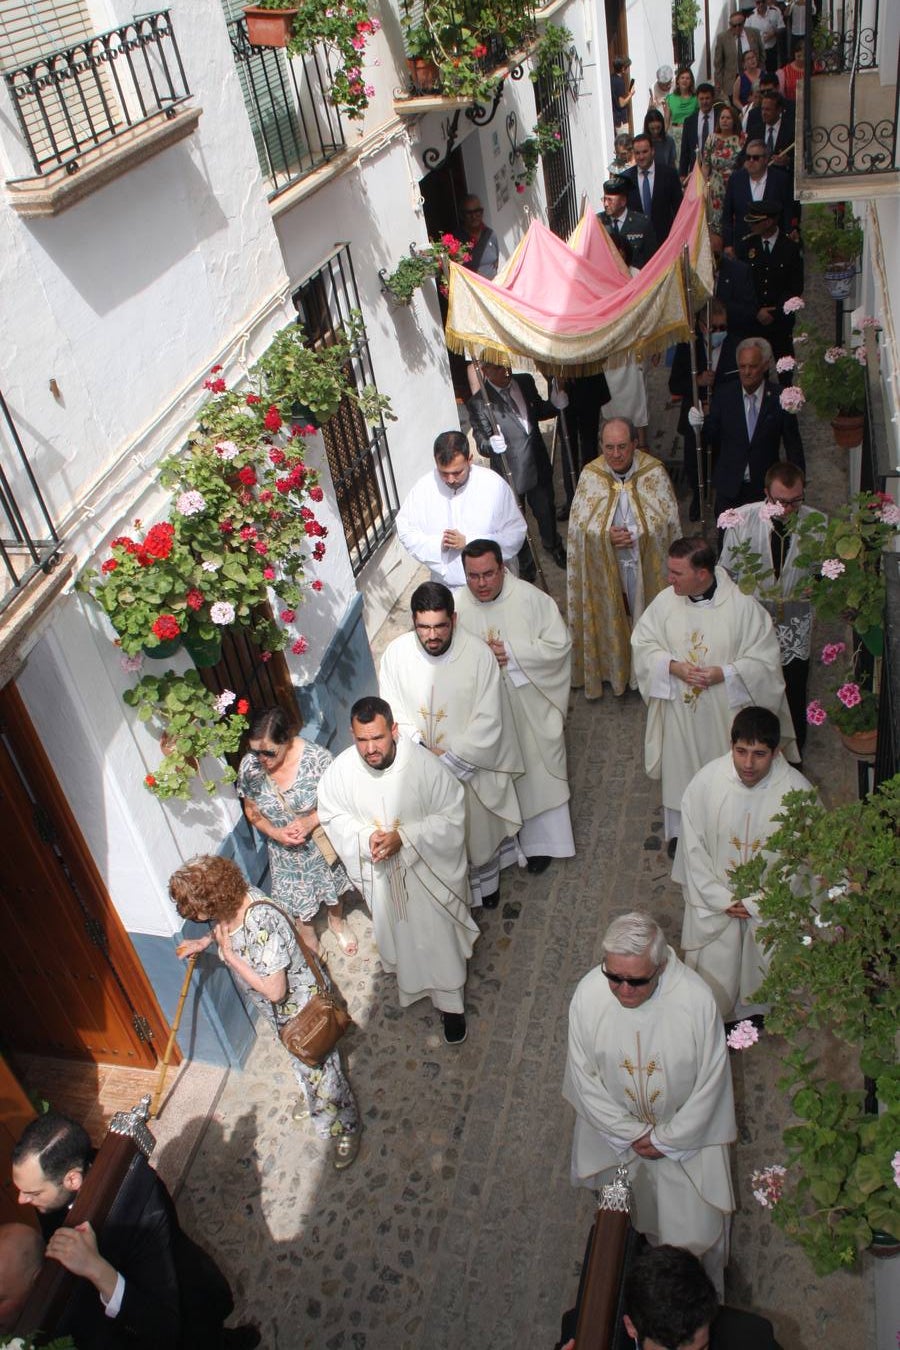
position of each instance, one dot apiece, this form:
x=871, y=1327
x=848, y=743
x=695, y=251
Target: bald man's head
x=21, y=1257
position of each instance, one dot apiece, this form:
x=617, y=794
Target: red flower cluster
x=277, y=456
x=312, y=528
x=252, y=399
x=165, y=627
x=295, y=479
x=288, y=615
x=300, y=646
x=159, y=540
x=248, y=532
x=261, y=548
x=316, y=585
x=247, y=475
x=308, y=430
x=316, y=494
x=194, y=598
x=109, y=566
x=318, y=551
x=479, y=50
x=273, y=419
x=217, y=386
x=124, y=542
x=150, y=780
x=243, y=707
x=269, y=573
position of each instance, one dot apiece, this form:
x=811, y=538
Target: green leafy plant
x=832, y=234
x=850, y=706
x=317, y=378
x=467, y=40
x=832, y=379
x=545, y=139
x=194, y=725
x=420, y=266
x=827, y=891
x=685, y=16
x=343, y=28
x=548, y=60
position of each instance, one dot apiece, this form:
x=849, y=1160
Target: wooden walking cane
x=508, y=475
x=170, y=1046
x=702, y=485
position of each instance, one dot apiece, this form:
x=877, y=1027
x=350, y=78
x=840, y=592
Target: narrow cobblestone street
x=458, y=1227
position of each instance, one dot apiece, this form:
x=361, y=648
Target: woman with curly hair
x=260, y=949
x=277, y=780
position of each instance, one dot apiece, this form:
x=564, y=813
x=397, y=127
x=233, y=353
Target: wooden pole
x=170, y=1045
x=692, y=342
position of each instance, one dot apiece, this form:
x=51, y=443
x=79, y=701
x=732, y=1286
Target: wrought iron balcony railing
x=84, y=96
x=850, y=94
x=295, y=125
x=29, y=542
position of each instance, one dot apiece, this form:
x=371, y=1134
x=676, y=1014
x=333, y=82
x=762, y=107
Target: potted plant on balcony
x=835, y=239
x=270, y=24
x=827, y=891
x=308, y=384
x=850, y=707
x=466, y=40
x=545, y=139
x=833, y=380
x=421, y=265
x=344, y=29
x=424, y=75
x=197, y=728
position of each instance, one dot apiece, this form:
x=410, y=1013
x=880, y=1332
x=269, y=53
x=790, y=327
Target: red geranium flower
x=214, y=370
x=243, y=707
x=248, y=531
x=251, y=399
x=261, y=548
x=194, y=598
x=159, y=540
x=277, y=456
x=318, y=551
x=273, y=420
x=109, y=566
x=165, y=627
x=269, y=573
x=123, y=541
x=300, y=646
x=226, y=527
x=247, y=475
x=150, y=780
x=316, y=585
x=265, y=496
x=316, y=494
x=217, y=386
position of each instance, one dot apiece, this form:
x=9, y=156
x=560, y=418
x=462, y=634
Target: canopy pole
x=508, y=475
x=689, y=301
x=708, y=342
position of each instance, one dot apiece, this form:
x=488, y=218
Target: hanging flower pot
x=204, y=651
x=163, y=650
x=269, y=27
x=304, y=416
x=424, y=75
x=847, y=431
x=883, y=1245
x=839, y=280
x=860, y=743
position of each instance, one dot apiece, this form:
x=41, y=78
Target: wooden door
x=73, y=987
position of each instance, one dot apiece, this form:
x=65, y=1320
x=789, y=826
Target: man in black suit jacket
x=518, y=408
x=142, y=1283
x=749, y=185
x=773, y=122
x=734, y=287
x=715, y=359
x=656, y=182
x=746, y=427
x=632, y=226
x=669, y=1300
x=777, y=267
x=697, y=129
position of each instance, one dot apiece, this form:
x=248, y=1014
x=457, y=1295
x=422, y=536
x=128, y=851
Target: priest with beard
x=397, y=818
x=445, y=689
x=524, y=630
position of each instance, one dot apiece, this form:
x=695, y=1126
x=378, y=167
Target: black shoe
x=244, y=1337
x=563, y=511
x=558, y=554
x=455, y=1029
x=694, y=508
x=491, y=901
x=672, y=846
x=539, y=863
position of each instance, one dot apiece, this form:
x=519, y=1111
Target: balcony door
x=73, y=987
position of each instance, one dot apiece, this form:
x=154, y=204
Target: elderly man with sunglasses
x=648, y=1076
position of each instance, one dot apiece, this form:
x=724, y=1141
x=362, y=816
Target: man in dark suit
x=632, y=226
x=655, y=189
x=715, y=359
x=142, y=1282
x=669, y=1301
x=776, y=264
x=749, y=185
x=746, y=427
x=734, y=287
x=728, y=53
x=697, y=129
x=517, y=409
x=774, y=124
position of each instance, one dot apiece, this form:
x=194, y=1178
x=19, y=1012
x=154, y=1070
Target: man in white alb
x=397, y=818
x=445, y=689
x=702, y=650
x=727, y=814
x=453, y=503
x=648, y=1075
x=524, y=630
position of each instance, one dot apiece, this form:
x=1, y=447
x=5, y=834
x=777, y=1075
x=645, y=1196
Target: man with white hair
x=648, y=1076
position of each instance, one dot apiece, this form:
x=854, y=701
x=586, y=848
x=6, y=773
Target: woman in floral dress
x=262, y=953
x=719, y=162
x=277, y=780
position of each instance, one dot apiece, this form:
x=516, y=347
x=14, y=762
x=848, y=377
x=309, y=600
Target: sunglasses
x=754, y=157
x=264, y=754
x=640, y=983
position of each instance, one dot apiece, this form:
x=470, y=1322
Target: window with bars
x=358, y=455
x=551, y=99
x=263, y=682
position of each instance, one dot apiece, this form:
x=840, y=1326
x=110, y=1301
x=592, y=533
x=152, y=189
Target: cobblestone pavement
x=457, y=1226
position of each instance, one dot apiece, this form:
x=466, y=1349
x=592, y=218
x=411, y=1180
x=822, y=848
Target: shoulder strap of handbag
x=309, y=956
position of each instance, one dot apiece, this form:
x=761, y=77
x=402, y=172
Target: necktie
x=645, y=192
x=750, y=400
x=767, y=247
x=705, y=132
x=770, y=140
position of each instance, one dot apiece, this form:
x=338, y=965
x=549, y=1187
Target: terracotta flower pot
x=424, y=75
x=269, y=27
x=847, y=431
x=860, y=743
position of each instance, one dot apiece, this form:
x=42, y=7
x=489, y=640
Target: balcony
x=296, y=127
x=89, y=112
x=32, y=569
x=847, y=105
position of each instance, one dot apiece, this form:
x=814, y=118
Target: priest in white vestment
x=397, y=819
x=702, y=651
x=525, y=632
x=648, y=1075
x=445, y=689
x=727, y=814
x=454, y=502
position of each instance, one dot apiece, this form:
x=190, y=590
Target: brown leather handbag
x=313, y=1032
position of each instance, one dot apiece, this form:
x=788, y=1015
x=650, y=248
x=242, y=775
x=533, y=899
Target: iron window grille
x=296, y=127
x=551, y=100
x=358, y=455
x=83, y=96
x=29, y=542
